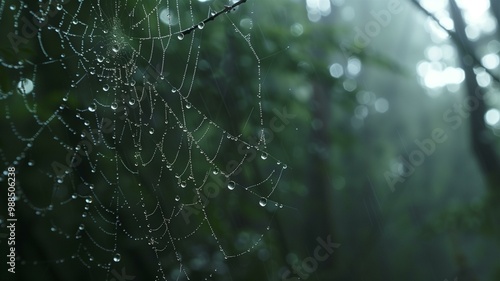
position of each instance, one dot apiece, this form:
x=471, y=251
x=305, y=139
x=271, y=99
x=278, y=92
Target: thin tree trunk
x=482, y=146
x=320, y=221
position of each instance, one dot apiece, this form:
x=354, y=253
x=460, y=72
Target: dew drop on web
x=263, y=202
x=263, y=156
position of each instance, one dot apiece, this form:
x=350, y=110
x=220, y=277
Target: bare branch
x=213, y=16
x=456, y=39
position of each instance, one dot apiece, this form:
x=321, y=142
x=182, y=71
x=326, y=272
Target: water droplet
x=92, y=70
x=25, y=86
x=263, y=156
x=177, y=198
x=180, y=36
x=81, y=227
x=59, y=7
x=75, y=21
x=285, y=166
x=183, y=184
x=188, y=105
x=131, y=101
x=115, y=48
x=100, y=58
x=174, y=90
x=201, y=25
x=231, y=185
x=92, y=107
x=216, y=172
x=114, y=105
x=74, y=196
x=151, y=131
x=88, y=200
x=12, y=7
x=117, y=258
x=105, y=87
x=31, y=163
x=263, y=202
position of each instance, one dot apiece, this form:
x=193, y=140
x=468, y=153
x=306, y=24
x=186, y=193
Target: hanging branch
x=213, y=16
x=456, y=39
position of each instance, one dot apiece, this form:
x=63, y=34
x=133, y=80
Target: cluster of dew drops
x=232, y=185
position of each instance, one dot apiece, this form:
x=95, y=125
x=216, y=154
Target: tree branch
x=213, y=16
x=458, y=42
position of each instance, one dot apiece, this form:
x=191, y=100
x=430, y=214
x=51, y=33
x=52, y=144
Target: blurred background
x=277, y=140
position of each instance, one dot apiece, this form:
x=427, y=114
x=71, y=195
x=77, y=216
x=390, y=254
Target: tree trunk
x=481, y=141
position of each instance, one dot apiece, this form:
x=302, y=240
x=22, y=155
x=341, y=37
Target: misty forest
x=250, y=140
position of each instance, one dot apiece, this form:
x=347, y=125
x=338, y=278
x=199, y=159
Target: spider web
x=111, y=115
